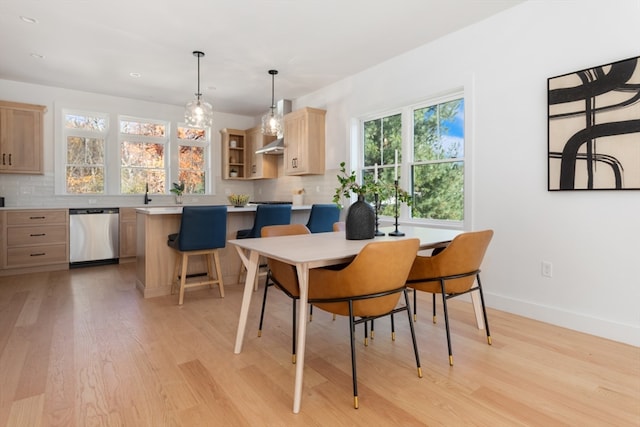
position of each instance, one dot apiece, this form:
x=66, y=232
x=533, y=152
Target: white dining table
x=309, y=251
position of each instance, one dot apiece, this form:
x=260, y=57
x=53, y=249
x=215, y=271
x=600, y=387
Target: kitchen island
x=155, y=260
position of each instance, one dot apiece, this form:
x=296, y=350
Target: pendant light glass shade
x=198, y=113
x=272, y=123
x=272, y=120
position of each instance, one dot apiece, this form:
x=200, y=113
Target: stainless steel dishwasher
x=94, y=236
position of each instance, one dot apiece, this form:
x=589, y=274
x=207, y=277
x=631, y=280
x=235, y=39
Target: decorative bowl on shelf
x=239, y=200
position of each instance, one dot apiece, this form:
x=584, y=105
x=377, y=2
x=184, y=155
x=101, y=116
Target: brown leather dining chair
x=367, y=288
x=451, y=272
x=282, y=275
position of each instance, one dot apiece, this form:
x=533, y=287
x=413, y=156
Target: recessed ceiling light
x=37, y=56
x=135, y=75
x=29, y=20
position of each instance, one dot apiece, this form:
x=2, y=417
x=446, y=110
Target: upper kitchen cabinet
x=261, y=166
x=21, y=138
x=234, y=157
x=304, y=136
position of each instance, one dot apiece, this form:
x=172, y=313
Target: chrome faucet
x=146, y=194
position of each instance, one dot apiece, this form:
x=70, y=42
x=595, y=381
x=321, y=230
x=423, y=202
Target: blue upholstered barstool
x=265, y=215
x=203, y=230
x=322, y=217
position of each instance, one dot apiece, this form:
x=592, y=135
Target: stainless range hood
x=276, y=147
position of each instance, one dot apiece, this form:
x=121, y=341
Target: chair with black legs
x=203, y=231
x=265, y=215
x=283, y=276
x=451, y=272
x=322, y=217
x=367, y=288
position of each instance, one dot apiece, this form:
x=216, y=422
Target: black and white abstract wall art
x=594, y=128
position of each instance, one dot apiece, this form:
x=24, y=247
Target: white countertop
x=173, y=210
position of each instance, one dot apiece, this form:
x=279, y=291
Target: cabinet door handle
x=3, y=159
x=9, y=159
x=39, y=254
x=38, y=235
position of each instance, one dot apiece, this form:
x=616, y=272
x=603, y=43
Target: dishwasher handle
x=93, y=211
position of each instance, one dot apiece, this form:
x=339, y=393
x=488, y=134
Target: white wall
x=592, y=238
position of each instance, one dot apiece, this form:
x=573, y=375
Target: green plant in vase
x=360, y=219
x=369, y=186
x=177, y=189
x=349, y=185
x=377, y=190
x=386, y=191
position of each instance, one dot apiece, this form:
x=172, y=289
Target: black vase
x=360, y=223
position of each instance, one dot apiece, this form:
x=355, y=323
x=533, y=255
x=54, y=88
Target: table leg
x=477, y=308
x=252, y=269
x=303, y=281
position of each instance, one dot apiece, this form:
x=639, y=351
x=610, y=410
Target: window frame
x=112, y=162
x=135, y=138
x=174, y=168
x=407, y=158
x=60, y=182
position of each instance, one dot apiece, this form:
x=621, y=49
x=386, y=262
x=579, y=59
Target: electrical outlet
x=547, y=269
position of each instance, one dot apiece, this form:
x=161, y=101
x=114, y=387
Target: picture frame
x=594, y=128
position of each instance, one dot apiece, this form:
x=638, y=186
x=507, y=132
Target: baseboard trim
x=621, y=332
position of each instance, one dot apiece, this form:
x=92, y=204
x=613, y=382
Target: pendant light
x=272, y=120
x=199, y=113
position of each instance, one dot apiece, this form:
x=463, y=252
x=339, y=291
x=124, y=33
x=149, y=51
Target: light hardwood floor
x=83, y=348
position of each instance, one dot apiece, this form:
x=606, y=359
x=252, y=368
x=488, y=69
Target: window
x=192, y=154
x=430, y=142
x=104, y=153
x=438, y=161
x=143, y=146
x=85, y=135
x=382, y=137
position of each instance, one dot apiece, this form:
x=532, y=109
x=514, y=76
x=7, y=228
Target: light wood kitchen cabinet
x=3, y=240
x=261, y=166
x=234, y=162
x=36, y=240
x=21, y=138
x=128, y=236
x=304, y=141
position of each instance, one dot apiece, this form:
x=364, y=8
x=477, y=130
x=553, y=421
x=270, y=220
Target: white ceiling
x=93, y=45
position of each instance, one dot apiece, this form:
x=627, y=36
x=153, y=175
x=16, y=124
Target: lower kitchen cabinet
x=127, y=234
x=35, y=240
